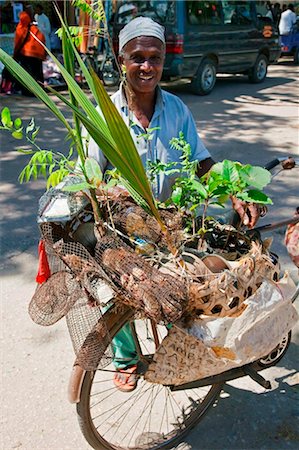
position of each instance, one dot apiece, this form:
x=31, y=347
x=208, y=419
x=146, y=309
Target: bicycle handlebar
x=287, y=163
x=270, y=165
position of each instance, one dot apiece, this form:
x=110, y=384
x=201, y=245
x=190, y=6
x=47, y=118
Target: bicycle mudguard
x=75, y=384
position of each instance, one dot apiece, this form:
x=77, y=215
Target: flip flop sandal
x=126, y=379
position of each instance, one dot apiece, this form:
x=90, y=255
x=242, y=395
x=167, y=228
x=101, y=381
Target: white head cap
x=141, y=26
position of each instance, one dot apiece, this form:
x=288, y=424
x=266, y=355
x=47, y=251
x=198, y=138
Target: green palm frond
x=107, y=129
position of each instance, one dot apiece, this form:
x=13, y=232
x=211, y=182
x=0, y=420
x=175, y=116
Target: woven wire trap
x=158, y=287
x=65, y=294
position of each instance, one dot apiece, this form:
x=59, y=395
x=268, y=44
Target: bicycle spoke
x=149, y=417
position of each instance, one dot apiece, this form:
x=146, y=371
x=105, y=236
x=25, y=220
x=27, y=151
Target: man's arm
x=204, y=166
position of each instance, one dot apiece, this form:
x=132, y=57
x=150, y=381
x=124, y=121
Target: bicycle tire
x=115, y=428
x=277, y=353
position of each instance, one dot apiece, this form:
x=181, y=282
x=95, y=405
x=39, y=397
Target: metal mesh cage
x=161, y=286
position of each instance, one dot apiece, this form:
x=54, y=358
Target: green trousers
x=124, y=348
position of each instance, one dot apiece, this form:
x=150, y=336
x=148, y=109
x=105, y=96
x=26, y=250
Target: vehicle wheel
x=151, y=416
x=296, y=56
x=205, y=78
x=111, y=78
x=259, y=71
x=108, y=73
x=277, y=353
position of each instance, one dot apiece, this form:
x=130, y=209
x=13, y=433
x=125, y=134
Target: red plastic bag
x=44, y=271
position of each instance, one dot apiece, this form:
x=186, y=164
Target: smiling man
x=148, y=109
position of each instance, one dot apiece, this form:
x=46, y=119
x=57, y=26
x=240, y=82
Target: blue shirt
x=170, y=117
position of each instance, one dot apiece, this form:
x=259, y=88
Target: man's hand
x=249, y=212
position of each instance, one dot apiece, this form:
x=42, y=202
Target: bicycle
x=163, y=414
x=103, y=64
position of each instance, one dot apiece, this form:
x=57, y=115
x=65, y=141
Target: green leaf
x=227, y=170
x=18, y=123
x=77, y=187
x=177, y=195
x=222, y=199
x=200, y=189
x=230, y=172
x=5, y=117
x=93, y=171
x=53, y=179
x=17, y=134
x=27, y=173
x=25, y=152
x=35, y=133
x=255, y=176
x=22, y=176
x=56, y=177
x=221, y=190
x=220, y=203
x=111, y=183
x=32, y=172
x=193, y=207
x=255, y=196
x=31, y=126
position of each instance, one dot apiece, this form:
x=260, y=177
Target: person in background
x=144, y=105
x=43, y=24
x=27, y=50
x=276, y=13
x=287, y=20
x=270, y=12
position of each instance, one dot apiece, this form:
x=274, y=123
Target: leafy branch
x=53, y=166
x=224, y=180
x=95, y=10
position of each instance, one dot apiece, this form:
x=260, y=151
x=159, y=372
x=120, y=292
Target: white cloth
x=170, y=117
x=141, y=26
x=287, y=21
x=44, y=25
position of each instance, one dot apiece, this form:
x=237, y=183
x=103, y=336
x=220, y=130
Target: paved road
x=251, y=123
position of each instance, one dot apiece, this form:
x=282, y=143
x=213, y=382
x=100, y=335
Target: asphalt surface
x=249, y=123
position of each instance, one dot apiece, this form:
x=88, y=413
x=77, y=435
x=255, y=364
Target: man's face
x=143, y=58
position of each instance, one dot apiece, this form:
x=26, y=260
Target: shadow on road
x=248, y=420
x=19, y=203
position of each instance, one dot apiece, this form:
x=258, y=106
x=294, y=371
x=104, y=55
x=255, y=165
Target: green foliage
x=110, y=133
x=148, y=135
x=224, y=180
x=93, y=172
x=231, y=178
x=53, y=166
x=95, y=10
x=76, y=34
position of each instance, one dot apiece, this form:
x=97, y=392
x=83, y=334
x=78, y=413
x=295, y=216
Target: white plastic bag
x=268, y=317
x=214, y=345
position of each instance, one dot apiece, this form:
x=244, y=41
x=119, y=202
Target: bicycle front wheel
x=151, y=416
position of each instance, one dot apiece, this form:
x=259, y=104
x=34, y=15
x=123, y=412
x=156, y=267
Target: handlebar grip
x=270, y=165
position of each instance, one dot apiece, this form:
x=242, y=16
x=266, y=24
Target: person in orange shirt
x=27, y=50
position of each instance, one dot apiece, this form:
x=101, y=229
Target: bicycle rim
x=150, y=417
